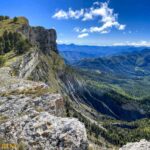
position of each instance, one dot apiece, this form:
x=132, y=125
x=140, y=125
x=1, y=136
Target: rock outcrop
x=44, y=131
x=30, y=114
x=142, y=145
x=44, y=39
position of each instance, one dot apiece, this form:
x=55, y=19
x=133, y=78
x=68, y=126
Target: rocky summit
x=32, y=109
x=41, y=130
x=28, y=115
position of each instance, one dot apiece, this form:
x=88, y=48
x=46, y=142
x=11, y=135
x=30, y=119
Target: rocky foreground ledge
x=142, y=145
x=29, y=114
x=45, y=131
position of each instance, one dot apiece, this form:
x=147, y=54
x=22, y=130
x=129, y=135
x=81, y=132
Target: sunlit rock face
x=44, y=39
x=142, y=145
x=45, y=131
x=32, y=108
x=31, y=115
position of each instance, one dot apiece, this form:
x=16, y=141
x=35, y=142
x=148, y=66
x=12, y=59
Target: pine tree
x=11, y=39
x=2, y=45
x=3, y=18
x=15, y=19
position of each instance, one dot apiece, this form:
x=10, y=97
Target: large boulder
x=46, y=132
x=31, y=115
x=142, y=145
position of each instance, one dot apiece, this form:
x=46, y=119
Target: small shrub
x=22, y=46
x=3, y=18
x=90, y=147
x=21, y=146
x=15, y=19
x=13, y=41
x=2, y=61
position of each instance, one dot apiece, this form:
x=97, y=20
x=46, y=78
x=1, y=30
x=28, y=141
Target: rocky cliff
x=30, y=115
x=32, y=112
x=44, y=39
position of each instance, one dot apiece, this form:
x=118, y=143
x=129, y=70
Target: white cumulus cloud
x=61, y=14
x=138, y=44
x=107, y=18
x=83, y=35
x=77, y=29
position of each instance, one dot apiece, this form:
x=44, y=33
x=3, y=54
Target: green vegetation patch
x=12, y=25
x=13, y=41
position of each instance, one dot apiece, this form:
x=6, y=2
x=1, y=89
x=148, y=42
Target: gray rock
x=32, y=115
x=45, y=131
x=44, y=39
x=142, y=145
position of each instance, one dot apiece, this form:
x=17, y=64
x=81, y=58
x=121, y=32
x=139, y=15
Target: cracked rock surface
x=29, y=114
x=142, y=145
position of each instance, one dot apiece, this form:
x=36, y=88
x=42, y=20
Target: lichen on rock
x=142, y=145
x=45, y=131
x=30, y=115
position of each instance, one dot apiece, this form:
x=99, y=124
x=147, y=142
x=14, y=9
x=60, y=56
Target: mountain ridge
x=32, y=108
x=73, y=53
x=40, y=64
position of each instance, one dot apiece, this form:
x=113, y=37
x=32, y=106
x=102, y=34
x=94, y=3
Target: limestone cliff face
x=32, y=108
x=44, y=39
x=31, y=115
x=42, y=62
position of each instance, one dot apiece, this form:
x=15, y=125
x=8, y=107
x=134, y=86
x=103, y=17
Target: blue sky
x=90, y=22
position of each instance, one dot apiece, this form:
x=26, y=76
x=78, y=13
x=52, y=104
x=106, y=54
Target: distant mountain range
x=128, y=71
x=132, y=64
x=122, y=73
x=73, y=53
